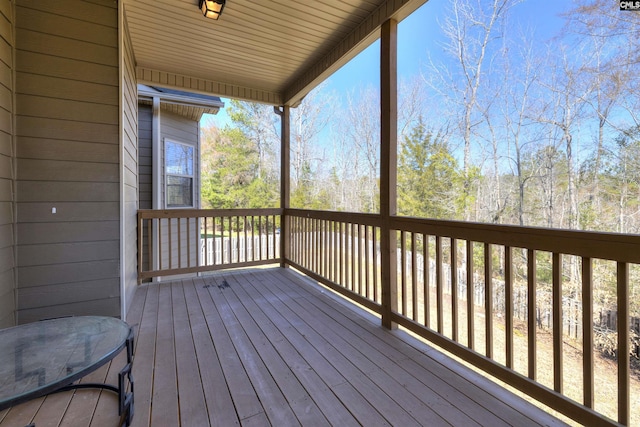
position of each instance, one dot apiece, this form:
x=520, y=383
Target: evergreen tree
x=429, y=178
x=230, y=173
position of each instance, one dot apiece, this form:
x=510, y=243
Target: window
x=179, y=174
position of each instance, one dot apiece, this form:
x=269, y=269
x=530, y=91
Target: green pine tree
x=429, y=179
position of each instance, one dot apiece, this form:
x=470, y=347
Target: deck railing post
x=388, y=167
x=285, y=141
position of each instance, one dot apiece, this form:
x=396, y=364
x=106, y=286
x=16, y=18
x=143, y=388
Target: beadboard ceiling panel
x=271, y=51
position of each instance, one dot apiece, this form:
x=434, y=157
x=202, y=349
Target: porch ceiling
x=272, y=52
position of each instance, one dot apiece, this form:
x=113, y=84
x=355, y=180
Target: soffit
x=187, y=111
x=268, y=51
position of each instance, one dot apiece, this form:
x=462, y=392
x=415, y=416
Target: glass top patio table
x=41, y=357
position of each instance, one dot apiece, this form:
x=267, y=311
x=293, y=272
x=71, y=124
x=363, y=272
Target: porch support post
x=156, y=183
x=388, y=168
x=285, y=182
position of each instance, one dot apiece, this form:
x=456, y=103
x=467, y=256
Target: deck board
x=268, y=347
x=384, y=354
x=82, y=406
x=269, y=393
x=279, y=332
x=218, y=399
x=480, y=398
x=164, y=401
x=352, y=365
x=246, y=402
x=108, y=402
x=303, y=406
x=145, y=305
x=193, y=408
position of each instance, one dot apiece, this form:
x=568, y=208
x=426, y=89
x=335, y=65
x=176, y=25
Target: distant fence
x=186, y=241
x=609, y=323
x=231, y=250
x=605, y=324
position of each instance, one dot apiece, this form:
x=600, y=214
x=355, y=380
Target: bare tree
x=564, y=108
x=522, y=68
x=411, y=104
x=471, y=28
x=308, y=121
x=362, y=127
x=606, y=64
x=343, y=181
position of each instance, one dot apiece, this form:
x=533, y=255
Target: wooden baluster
x=508, y=304
x=367, y=261
x=414, y=276
x=376, y=264
x=531, y=313
x=403, y=273
x=426, y=273
x=439, y=272
x=624, y=402
x=454, y=288
x=470, y=297
x=558, y=355
x=488, y=300
x=587, y=331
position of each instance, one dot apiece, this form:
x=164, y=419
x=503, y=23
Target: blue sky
x=419, y=35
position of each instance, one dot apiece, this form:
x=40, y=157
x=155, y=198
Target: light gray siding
x=145, y=161
x=130, y=168
x=145, y=167
x=67, y=142
x=180, y=129
x=177, y=128
x=7, y=237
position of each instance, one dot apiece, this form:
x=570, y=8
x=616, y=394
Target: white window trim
x=166, y=174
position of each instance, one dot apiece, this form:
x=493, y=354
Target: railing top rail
x=591, y=244
x=198, y=213
x=352, y=217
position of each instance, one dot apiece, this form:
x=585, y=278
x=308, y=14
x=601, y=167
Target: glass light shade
x=212, y=8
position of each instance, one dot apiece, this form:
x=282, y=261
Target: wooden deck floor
x=263, y=347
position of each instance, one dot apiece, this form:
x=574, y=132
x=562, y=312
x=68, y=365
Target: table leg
x=126, y=398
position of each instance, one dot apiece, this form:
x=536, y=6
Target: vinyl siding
x=145, y=162
x=145, y=167
x=177, y=128
x=180, y=129
x=67, y=149
x=130, y=168
x=7, y=237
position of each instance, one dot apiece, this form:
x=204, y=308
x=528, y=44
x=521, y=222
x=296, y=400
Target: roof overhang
x=272, y=52
x=189, y=105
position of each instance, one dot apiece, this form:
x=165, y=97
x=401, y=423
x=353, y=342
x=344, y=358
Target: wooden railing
x=181, y=241
x=341, y=250
x=496, y=296
x=515, y=302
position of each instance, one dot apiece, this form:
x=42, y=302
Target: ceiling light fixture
x=212, y=8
